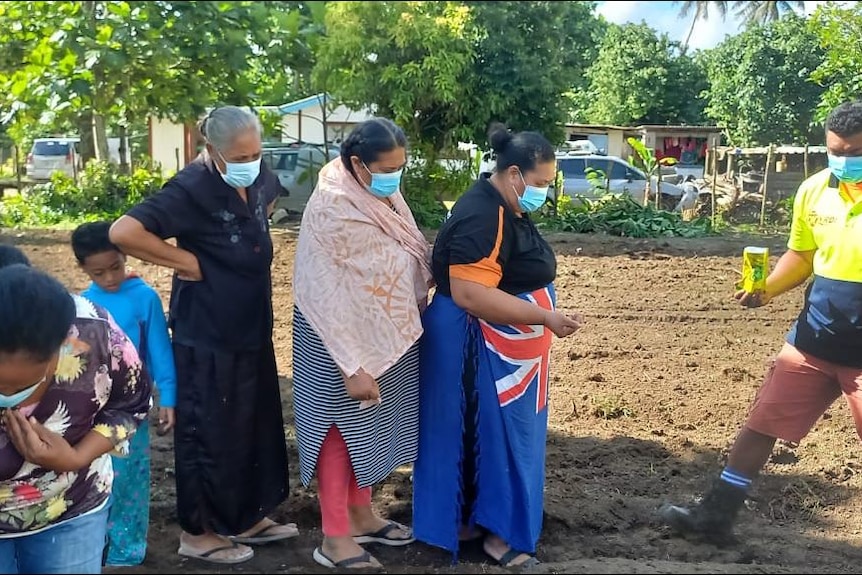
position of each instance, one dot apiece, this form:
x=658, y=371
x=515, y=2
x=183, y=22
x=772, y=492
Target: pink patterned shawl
x=362, y=273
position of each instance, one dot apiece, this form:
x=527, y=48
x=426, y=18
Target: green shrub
x=620, y=215
x=427, y=184
x=102, y=193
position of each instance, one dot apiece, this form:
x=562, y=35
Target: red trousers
x=336, y=486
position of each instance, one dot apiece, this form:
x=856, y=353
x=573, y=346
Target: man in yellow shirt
x=822, y=357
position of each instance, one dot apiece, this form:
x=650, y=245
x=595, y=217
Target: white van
x=50, y=155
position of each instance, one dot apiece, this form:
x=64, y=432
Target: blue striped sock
x=735, y=478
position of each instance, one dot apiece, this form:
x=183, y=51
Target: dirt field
x=645, y=402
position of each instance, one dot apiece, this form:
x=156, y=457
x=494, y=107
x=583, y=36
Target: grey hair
x=223, y=124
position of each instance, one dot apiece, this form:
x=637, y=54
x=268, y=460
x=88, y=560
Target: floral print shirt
x=99, y=385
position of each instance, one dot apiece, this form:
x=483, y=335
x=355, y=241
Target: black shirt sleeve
x=167, y=214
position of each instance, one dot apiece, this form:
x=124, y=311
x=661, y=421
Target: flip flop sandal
x=210, y=556
x=261, y=536
x=321, y=559
x=510, y=555
x=382, y=536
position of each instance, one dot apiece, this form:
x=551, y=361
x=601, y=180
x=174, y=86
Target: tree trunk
x=684, y=47
x=97, y=118
x=124, y=151
x=324, y=120
x=100, y=137
x=87, y=149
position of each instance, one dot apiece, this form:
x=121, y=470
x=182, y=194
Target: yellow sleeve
x=801, y=236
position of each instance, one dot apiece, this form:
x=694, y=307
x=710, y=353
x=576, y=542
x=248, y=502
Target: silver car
x=622, y=177
x=296, y=167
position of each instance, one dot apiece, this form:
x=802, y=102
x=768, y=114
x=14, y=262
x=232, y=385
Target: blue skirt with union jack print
x=497, y=374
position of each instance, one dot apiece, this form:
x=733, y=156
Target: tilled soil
x=646, y=400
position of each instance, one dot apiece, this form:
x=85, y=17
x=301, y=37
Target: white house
x=172, y=145
x=304, y=120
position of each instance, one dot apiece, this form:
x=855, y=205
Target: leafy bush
x=620, y=215
x=428, y=183
x=102, y=193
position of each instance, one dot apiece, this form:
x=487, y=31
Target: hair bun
x=202, y=127
x=499, y=137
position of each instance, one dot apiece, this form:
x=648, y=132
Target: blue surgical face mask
x=384, y=185
x=10, y=401
x=848, y=169
x=240, y=174
x=533, y=197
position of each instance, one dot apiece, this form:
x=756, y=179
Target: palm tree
x=701, y=12
x=762, y=12
x=751, y=12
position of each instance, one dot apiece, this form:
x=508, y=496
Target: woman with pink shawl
x=361, y=282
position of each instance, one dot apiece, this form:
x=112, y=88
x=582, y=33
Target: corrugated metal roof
x=645, y=127
x=299, y=105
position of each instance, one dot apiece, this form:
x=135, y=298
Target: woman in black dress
x=231, y=457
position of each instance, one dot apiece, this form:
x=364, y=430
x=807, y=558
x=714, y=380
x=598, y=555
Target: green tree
x=114, y=62
x=446, y=70
x=759, y=83
x=640, y=77
x=840, y=72
x=529, y=55
x=408, y=60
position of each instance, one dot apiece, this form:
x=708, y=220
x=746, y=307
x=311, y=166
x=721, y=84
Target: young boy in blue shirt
x=137, y=309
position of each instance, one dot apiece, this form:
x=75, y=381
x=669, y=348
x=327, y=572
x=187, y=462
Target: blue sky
x=664, y=17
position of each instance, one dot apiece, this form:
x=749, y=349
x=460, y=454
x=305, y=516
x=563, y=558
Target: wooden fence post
x=17, y=164
x=714, y=183
x=765, y=186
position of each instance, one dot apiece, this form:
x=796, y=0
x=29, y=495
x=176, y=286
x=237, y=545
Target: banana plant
x=651, y=166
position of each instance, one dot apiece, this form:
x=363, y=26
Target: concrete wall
x=168, y=145
x=617, y=145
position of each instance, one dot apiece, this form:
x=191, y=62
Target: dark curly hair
x=845, y=120
x=36, y=312
x=10, y=255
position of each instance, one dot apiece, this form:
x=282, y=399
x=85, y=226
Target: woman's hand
x=190, y=270
x=130, y=235
x=563, y=325
x=362, y=387
x=39, y=445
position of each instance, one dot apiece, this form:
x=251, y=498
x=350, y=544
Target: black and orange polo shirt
x=484, y=241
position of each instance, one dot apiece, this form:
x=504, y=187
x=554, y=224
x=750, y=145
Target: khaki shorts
x=798, y=390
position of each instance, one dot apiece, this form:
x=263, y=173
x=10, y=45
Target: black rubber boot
x=712, y=518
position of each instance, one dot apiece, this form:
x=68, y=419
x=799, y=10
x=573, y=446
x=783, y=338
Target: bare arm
x=131, y=237
x=792, y=270
x=92, y=446
x=494, y=305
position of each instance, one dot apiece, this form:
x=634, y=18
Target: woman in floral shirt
x=71, y=392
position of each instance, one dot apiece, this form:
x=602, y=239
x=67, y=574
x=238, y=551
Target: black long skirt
x=230, y=450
